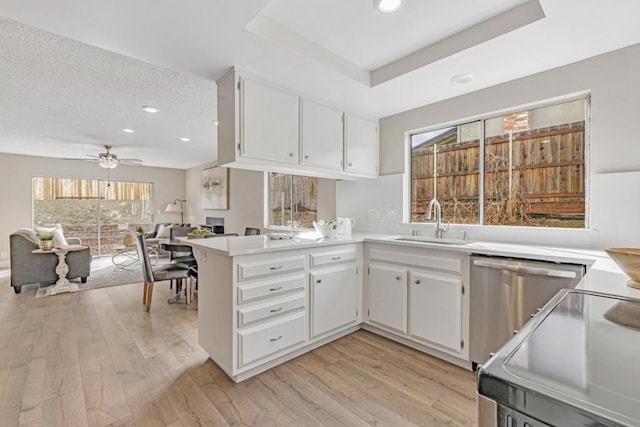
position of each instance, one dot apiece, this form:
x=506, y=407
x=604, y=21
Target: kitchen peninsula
x=263, y=302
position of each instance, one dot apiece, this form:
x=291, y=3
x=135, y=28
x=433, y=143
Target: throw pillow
x=164, y=231
x=58, y=235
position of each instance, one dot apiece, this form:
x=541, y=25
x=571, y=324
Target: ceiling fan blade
x=130, y=163
x=130, y=160
x=83, y=160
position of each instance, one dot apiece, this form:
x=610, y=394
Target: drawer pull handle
x=276, y=310
x=398, y=277
x=417, y=282
x=276, y=339
x=336, y=258
x=275, y=268
x=275, y=289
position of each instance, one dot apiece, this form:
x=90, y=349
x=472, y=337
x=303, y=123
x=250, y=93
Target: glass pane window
x=99, y=213
x=533, y=169
x=292, y=199
x=445, y=165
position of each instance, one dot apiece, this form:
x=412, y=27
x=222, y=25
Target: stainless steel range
x=574, y=364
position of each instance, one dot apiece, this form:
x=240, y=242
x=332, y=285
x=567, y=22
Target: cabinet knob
x=398, y=277
x=275, y=268
x=350, y=164
x=336, y=258
x=306, y=156
x=275, y=289
x=290, y=154
x=276, y=339
x=417, y=282
x=319, y=281
x=276, y=310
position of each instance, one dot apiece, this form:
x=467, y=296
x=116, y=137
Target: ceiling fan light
x=387, y=6
x=108, y=164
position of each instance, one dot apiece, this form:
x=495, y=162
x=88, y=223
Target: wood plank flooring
x=97, y=358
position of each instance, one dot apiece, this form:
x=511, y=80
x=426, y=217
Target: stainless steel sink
x=432, y=240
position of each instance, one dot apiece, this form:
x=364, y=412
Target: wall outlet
x=3, y=255
x=390, y=213
x=373, y=213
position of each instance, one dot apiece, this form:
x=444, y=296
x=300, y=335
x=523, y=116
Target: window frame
x=482, y=118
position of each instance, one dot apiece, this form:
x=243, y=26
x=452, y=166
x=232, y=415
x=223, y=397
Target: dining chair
x=150, y=275
x=250, y=231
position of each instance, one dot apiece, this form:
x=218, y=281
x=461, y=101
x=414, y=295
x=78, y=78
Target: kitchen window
x=524, y=168
x=293, y=200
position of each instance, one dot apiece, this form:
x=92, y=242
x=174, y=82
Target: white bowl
x=326, y=230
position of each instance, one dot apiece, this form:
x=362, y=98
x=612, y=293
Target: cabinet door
x=269, y=123
x=334, y=299
x=361, y=146
x=435, y=309
x=321, y=135
x=387, y=297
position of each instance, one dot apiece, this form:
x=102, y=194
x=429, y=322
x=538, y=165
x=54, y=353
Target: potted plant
x=46, y=241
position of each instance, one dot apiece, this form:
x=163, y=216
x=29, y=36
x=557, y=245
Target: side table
x=62, y=269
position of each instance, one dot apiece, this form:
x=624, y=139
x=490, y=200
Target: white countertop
x=603, y=274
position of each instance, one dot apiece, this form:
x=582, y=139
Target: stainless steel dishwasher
x=505, y=292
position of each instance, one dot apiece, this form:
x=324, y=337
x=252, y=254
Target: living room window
x=524, y=168
x=100, y=213
x=293, y=199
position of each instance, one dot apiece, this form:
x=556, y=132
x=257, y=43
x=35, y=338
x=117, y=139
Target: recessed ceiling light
x=185, y=139
x=461, y=79
x=127, y=130
x=149, y=109
x=387, y=6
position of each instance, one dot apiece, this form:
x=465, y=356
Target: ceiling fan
x=109, y=160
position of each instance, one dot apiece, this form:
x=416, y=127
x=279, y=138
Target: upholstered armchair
x=28, y=268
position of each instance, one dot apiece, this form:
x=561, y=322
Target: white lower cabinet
x=418, y=295
x=264, y=340
x=259, y=310
x=387, y=296
x=334, y=296
x=435, y=309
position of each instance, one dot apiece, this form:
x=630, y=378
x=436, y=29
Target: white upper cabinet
x=266, y=128
x=321, y=135
x=269, y=123
x=361, y=146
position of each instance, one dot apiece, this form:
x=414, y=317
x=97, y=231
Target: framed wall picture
x=215, y=188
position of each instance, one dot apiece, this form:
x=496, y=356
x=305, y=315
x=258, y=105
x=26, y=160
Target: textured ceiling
x=64, y=98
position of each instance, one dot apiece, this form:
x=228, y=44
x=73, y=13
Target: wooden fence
x=547, y=177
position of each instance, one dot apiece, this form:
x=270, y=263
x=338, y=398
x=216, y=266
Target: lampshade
x=174, y=208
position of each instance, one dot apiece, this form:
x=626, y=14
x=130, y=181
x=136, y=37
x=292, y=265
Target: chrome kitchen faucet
x=440, y=227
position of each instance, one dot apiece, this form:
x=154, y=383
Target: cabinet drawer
x=260, y=342
x=276, y=266
x=268, y=288
x=333, y=257
x=270, y=309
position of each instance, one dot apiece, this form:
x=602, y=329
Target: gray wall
x=613, y=195
x=16, y=172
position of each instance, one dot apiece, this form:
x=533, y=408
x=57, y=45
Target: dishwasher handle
x=566, y=274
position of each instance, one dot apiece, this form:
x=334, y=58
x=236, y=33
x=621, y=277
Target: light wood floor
x=96, y=358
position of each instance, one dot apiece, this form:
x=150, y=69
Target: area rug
x=104, y=274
